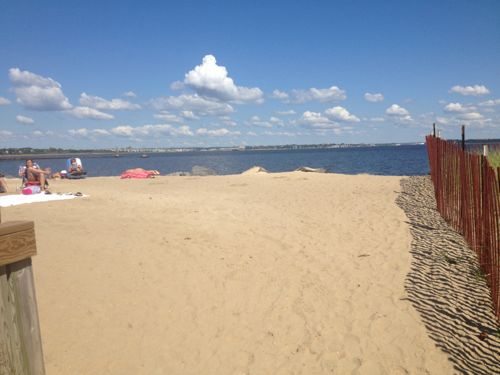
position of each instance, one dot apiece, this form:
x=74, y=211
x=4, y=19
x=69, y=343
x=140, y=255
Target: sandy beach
x=286, y=273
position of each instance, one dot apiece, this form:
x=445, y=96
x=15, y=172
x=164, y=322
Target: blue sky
x=222, y=73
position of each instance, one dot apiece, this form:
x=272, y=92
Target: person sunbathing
x=34, y=175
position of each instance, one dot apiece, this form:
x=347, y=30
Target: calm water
x=387, y=160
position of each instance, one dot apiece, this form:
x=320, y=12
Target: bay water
x=404, y=160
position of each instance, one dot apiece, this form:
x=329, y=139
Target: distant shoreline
x=139, y=152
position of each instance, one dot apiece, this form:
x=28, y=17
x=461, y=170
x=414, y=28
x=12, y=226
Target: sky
x=233, y=73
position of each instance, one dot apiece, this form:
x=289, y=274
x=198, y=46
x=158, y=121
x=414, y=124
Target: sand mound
x=255, y=170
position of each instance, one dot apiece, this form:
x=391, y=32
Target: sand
x=287, y=273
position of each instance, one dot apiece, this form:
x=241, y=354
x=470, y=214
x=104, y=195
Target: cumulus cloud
x=286, y=113
x=316, y=120
x=196, y=104
x=226, y=120
x=475, y=90
x=91, y=113
x=188, y=115
x=103, y=104
x=471, y=116
x=282, y=134
x=212, y=80
x=168, y=117
x=277, y=94
x=130, y=94
x=374, y=97
x=4, y=101
x=330, y=94
x=151, y=130
x=276, y=121
x=455, y=107
x=340, y=114
x=36, y=92
x=216, y=132
x=398, y=113
x=6, y=133
x=490, y=103
x=88, y=133
x=396, y=110
x=24, y=120
x=257, y=121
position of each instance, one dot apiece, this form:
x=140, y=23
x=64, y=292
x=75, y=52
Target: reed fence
x=467, y=190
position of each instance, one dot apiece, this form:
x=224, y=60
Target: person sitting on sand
x=75, y=168
x=3, y=184
x=34, y=175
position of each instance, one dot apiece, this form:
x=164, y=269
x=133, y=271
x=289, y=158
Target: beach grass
x=494, y=158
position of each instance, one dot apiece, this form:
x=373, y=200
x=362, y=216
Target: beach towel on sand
x=139, y=173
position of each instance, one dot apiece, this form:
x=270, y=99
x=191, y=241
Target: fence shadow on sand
x=446, y=286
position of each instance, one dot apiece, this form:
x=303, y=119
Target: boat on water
x=144, y=156
x=117, y=155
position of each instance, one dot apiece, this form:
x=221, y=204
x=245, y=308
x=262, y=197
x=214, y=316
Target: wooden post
x=434, y=130
x=485, y=150
x=20, y=339
x=463, y=137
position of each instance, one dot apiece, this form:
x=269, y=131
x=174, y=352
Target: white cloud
x=151, y=131
x=475, y=90
x=374, y=97
x=194, y=103
x=376, y=119
x=88, y=133
x=396, y=110
x=103, y=104
x=211, y=80
x=86, y=112
x=216, y=132
x=316, y=120
x=168, y=117
x=130, y=94
x=276, y=121
x=189, y=115
x=257, y=121
x=277, y=94
x=24, y=120
x=340, y=114
x=6, y=133
x=455, y=107
x=226, y=120
x=471, y=116
x=399, y=114
x=285, y=134
x=4, y=101
x=321, y=95
x=490, y=103
x=37, y=92
x=286, y=113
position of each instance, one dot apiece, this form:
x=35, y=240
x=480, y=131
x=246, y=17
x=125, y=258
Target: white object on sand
x=16, y=199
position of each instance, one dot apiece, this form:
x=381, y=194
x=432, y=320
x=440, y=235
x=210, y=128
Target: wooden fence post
x=463, y=137
x=20, y=339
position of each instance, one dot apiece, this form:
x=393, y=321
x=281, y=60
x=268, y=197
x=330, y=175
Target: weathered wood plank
x=11, y=362
x=23, y=285
x=17, y=241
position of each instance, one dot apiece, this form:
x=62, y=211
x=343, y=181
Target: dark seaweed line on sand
x=446, y=287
